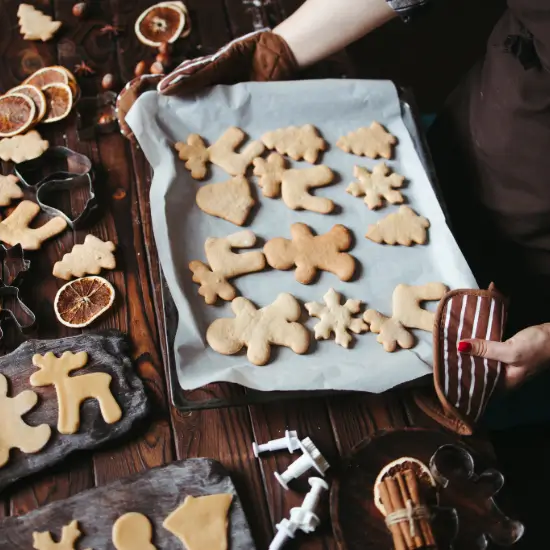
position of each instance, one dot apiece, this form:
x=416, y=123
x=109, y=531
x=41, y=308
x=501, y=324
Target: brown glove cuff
x=273, y=59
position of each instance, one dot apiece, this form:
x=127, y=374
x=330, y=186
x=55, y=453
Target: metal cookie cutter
x=59, y=169
x=13, y=265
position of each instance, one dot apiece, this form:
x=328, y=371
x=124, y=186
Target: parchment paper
x=180, y=227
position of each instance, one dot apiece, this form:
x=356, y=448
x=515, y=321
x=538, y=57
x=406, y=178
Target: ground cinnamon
x=398, y=540
x=425, y=525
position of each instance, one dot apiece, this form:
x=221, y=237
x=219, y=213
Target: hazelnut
x=163, y=59
x=140, y=69
x=79, y=10
x=157, y=68
x=108, y=81
x=164, y=48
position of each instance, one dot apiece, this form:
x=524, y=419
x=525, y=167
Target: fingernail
x=464, y=346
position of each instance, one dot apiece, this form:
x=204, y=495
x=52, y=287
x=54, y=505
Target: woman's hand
x=524, y=355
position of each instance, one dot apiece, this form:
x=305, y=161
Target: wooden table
x=335, y=424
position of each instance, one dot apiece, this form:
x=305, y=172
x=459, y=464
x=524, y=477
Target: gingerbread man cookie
x=403, y=227
x=373, y=141
x=298, y=142
x=294, y=184
x=222, y=153
x=407, y=314
x=376, y=186
x=14, y=432
x=225, y=264
x=310, y=253
x=336, y=318
x=258, y=329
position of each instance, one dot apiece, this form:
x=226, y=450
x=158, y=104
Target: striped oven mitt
x=464, y=384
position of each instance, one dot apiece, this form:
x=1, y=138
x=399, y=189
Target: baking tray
x=228, y=394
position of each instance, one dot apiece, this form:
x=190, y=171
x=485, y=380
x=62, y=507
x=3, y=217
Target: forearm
x=321, y=27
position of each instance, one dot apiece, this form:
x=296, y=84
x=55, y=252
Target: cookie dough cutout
x=15, y=228
x=20, y=148
x=298, y=142
x=200, y=523
x=73, y=390
x=375, y=186
x=35, y=25
x=225, y=264
x=14, y=432
x=293, y=183
x=407, y=314
x=336, y=318
x=229, y=200
x=403, y=227
x=86, y=259
x=258, y=329
x=69, y=535
x=9, y=190
x=309, y=253
x=372, y=141
x=222, y=153
x=133, y=531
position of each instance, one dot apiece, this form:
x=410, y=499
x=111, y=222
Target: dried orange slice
x=36, y=96
x=78, y=303
x=163, y=22
x=17, y=112
x=406, y=463
x=60, y=101
x=48, y=75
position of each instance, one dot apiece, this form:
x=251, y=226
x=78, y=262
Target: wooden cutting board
x=155, y=493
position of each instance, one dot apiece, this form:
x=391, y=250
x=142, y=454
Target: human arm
x=524, y=355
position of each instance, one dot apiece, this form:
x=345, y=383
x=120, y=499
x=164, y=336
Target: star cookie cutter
x=59, y=169
x=453, y=467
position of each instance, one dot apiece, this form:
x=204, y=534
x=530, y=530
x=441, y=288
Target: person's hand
x=524, y=355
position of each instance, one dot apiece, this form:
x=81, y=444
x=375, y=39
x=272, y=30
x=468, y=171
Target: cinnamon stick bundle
x=405, y=511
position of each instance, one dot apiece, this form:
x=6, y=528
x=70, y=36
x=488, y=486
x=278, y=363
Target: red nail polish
x=464, y=346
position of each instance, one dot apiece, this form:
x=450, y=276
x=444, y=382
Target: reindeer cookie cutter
x=59, y=169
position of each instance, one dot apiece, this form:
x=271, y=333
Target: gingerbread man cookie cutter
x=453, y=467
x=45, y=177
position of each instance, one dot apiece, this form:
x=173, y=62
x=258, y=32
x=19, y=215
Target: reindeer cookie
x=225, y=264
x=258, y=329
x=310, y=253
x=73, y=390
x=298, y=142
x=407, y=314
x=14, y=432
x=222, y=153
x=294, y=183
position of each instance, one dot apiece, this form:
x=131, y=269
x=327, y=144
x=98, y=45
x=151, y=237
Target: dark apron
x=491, y=147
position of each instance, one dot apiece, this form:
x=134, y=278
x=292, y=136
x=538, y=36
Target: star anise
x=83, y=69
x=110, y=30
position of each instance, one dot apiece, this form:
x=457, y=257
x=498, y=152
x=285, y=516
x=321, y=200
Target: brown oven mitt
x=259, y=56
x=464, y=384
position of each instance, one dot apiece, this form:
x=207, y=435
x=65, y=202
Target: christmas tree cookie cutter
x=59, y=169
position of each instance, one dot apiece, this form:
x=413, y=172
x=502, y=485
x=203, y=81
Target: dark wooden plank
x=98, y=509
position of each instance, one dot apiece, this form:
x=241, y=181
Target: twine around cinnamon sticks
x=407, y=517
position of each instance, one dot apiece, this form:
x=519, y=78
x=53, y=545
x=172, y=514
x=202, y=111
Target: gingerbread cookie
x=15, y=433
x=25, y=147
x=86, y=259
x=258, y=329
x=402, y=227
x=310, y=253
x=222, y=153
x=376, y=186
x=229, y=200
x=336, y=318
x=9, y=190
x=294, y=183
x=225, y=264
x=69, y=535
x=73, y=390
x=36, y=25
x=200, y=523
x=373, y=141
x=15, y=228
x=407, y=314
x=298, y=142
